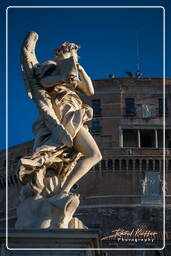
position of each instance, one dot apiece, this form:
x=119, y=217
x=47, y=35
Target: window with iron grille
x=95, y=127
x=130, y=106
x=96, y=105
x=161, y=106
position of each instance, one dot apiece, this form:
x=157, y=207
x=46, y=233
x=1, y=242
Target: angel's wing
x=44, y=104
x=29, y=60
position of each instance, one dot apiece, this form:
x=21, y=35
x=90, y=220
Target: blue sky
x=107, y=36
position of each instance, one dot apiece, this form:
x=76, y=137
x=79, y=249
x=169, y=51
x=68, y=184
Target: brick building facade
x=126, y=188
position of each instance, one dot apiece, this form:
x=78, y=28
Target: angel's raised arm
x=85, y=84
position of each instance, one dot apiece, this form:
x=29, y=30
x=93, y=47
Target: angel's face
x=61, y=54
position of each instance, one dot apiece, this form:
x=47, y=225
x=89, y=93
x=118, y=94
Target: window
x=144, y=165
x=17, y=159
x=129, y=106
x=150, y=165
x=110, y=164
x=130, y=164
x=160, y=138
x=103, y=165
x=157, y=165
x=161, y=109
x=16, y=179
x=169, y=165
x=147, y=138
x=96, y=167
x=11, y=181
x=117, y=167
x=96, y=105
x=130, y=138
x=137, y=164
x=96, y=128
x=144, y=138
x=123, y=164
x=168, y=138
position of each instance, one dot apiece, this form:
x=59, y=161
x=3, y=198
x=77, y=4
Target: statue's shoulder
x=48, y=63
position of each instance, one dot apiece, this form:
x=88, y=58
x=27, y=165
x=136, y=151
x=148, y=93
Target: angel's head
x=66, y=50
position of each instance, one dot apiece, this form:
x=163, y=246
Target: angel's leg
x=85, y=144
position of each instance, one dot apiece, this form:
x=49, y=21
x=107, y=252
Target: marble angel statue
x=64, y=150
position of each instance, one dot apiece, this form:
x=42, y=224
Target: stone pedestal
x=61, y=242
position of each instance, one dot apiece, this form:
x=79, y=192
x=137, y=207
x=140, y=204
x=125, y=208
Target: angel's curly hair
x=67, y=47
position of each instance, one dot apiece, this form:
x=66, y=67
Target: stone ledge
x=60, y=239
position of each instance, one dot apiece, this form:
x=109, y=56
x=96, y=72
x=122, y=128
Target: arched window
x=123, y=164
x=110, y=164
x=150, y=165
x=96, y=105
x=137, y=164
x=144, y=165
x=161, y=161
x=117, y=164
x=96, y=167
x=16, y=179
x=17, y=159
x=103, y=165
x=130, y=165
x=157, y=165
x=11, y=180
